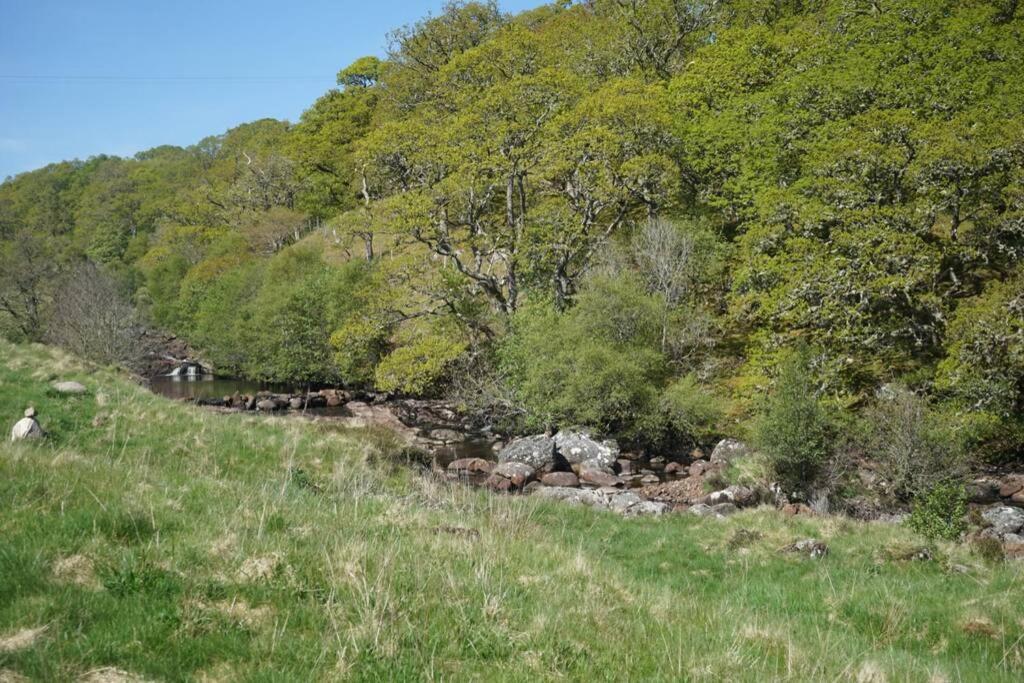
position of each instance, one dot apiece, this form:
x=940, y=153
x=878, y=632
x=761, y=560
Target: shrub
x=940, y=512
x=915, y=446
x=795, y=430
x=598, y=364
x=690, y=409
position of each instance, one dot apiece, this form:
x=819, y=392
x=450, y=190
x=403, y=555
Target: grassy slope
x=384, y=575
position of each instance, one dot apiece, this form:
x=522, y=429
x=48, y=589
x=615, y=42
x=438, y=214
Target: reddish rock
x=1018, y=498
x=499, y=484
x=1010, y=487
x=599, y=478
x=674, y=468
x=333, y=401
x=560, y=479
x=625, y=466
x=475, y=465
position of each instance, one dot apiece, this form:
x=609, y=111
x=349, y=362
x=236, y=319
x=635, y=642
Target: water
x=209, y=386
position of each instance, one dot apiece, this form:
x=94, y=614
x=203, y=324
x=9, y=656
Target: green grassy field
x=176, y=544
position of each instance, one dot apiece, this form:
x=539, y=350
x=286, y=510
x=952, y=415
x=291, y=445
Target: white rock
x=26, y=428
x=69, y=388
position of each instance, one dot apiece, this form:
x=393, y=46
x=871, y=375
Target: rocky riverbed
x=574, y=466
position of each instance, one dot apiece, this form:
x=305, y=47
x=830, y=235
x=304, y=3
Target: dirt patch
x=77, y=570
x=21, y=640
x=8, y=676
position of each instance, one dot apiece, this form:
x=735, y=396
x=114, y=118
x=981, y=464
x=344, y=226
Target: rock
x=599, y=478
x=471, y=465
x=26, y=428
x=1018, y=498
x=622, y=502
x=296, y=403
x=983, y=491
x=566, y=479
x=1004, y=519
x=266, y=404
x=809, y=546
x=507, y=476
x=625, y=466
x=333, y=401
x=579, y=447
x=741, y=496
x=698, y=468
x=700, y=510
x=647, y=508
x=30, y=412
x=674, y=468
x=724, y=509
x=446, y=436
x=537, y=452
x=69, y=388
x=650, y=479
x=1011, y=486
x=728, y=450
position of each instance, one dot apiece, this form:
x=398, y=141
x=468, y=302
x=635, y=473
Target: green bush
x=795, y=430
x=598, y=364
x=940, y=512
x=691, y=410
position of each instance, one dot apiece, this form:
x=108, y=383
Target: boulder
x=333, y=401
x=579, y=447
x=564, y=479
x=266, y=404
x=728, y=450
x=471, y=465
x=598, y=477
x=1003, y=519
x=649, y=479
x=797, y=510
x=537, y=452
x=516, y=474
x=1010, y=486
x=724, y=509
x=983, y=491
x=26, y=428
x=741, y=496
x=625, y=466
x=622, y=502
x=698, y=468
x=69, y=387
x=675, y=468
x=297, y=403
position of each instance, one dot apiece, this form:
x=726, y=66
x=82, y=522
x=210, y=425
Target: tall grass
x=178, y=544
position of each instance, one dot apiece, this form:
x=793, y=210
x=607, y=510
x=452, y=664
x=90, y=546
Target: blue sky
x=85, y=77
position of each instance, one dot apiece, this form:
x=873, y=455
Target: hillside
x=176, y=544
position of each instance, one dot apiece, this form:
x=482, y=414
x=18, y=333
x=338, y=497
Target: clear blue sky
x=85, y=77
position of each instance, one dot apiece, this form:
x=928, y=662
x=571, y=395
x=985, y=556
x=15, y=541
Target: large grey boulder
x=27, y=427
x=579, y=448
x=69, y=388
x=1004, y=519
x=537, y=452
x=728, y=450
x=622, y=502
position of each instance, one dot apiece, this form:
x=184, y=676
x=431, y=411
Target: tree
x=28, y=268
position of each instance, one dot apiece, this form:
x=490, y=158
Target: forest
x=795, y=221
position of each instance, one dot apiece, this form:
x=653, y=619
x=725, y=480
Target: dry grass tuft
x=21, y=640
x=78, y=570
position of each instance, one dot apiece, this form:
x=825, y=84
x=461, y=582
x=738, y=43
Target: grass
x=178, y=544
